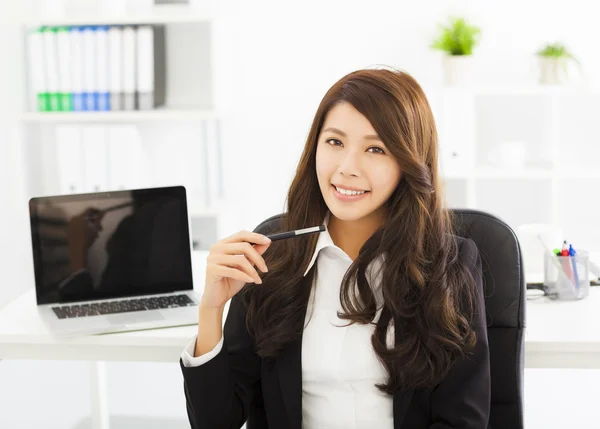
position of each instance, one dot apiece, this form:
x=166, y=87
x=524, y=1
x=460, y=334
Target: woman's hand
x=231, y=264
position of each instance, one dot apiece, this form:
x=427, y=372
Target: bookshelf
x=527, y=154
x=177, y=143
x=159, y=114
x=163, y=14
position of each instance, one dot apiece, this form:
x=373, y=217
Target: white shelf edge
x=120, y=116
x=517, y=90
x=536, y=175
x=157, y=15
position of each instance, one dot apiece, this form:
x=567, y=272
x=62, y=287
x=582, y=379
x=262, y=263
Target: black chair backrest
x=505, y=288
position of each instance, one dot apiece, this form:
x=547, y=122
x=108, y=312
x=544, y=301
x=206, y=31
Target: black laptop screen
x=109, y=245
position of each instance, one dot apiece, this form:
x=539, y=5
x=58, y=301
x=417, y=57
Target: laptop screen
x=110, y=244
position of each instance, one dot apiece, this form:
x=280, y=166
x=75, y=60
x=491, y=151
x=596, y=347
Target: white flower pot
x=458, y=70
x=552, y=71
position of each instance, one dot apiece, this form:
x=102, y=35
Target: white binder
x=51, y=67
x=65, y=81
x=129, y=68
x=37, y=78
x=69, y=150
x=145, y=69
x=213, y=162
x=115, y=67
x=76, y=38
x=125, y=158
x=103, y=100
x=90, y=89
x=95, y=158
x=150, y=51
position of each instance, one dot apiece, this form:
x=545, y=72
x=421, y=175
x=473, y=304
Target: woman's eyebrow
x=343, y=134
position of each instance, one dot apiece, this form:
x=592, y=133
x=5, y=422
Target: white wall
x=290, y=53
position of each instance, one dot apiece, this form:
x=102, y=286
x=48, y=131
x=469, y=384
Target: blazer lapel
x=289, y=369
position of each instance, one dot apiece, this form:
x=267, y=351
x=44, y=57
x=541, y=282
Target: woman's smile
x=348, y=195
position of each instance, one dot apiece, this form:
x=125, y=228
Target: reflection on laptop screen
x=107, y=245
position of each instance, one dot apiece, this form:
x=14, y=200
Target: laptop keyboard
x=125, y=306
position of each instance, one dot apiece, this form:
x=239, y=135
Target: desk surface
x=558, y=335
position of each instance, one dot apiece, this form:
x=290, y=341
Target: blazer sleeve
x=219, y=393
x=187, y=356
x=462, y=400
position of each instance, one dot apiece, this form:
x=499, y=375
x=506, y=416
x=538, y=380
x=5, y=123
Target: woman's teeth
x=346, y=192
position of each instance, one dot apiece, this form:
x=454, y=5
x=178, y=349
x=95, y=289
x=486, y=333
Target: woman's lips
x=348, y=198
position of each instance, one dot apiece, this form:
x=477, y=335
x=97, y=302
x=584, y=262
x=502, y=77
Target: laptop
x=113, y=261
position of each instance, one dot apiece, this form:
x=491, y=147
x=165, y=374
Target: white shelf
x=164, y=14
x=535, y=174
x=583, y=174
x=517, y=90
x=498, y=173
x=121, y=116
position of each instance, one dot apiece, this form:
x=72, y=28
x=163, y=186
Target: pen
x=565, y=262
x=572, y=254
x=296, y=233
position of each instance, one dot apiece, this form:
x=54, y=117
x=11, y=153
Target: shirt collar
x=324, y=241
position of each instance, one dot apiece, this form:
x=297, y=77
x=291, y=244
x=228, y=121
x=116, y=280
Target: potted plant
x=553, y=60
x=456, y=39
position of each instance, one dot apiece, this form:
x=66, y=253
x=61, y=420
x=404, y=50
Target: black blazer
x=237, y=385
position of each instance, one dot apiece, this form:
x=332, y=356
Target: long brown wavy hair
x=428, y=292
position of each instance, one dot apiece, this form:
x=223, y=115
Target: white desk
x=23, y=335
x=558, y=335
x=563, y=334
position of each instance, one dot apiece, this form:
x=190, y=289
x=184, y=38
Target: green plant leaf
x=456, y=37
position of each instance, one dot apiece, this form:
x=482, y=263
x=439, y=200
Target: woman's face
x=351, y=157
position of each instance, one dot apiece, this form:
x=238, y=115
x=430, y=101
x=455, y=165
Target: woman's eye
x=373, y=149
x=333, y=140
x=377, y=149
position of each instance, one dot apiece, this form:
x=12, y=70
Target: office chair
x=505, y=288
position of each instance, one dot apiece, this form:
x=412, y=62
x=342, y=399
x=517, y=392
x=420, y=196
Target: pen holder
x=567, y=277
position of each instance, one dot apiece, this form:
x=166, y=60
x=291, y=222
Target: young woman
x=377, y=322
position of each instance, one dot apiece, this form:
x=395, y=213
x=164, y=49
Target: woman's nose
x=349, y=164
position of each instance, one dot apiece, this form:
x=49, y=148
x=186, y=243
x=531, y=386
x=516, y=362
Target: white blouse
x=339, y=366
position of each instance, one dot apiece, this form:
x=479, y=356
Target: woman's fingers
x=251, y=237
x=232, y=273
x=240, y=262
x=243, y=248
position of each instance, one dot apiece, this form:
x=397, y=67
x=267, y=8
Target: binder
x=95, y=158
x=212, y=162
x=150, y=52
x=65, y=80
x=115, y=65
x=76, y=39
x=70, y=159
x=37, y=78
x=129, y=66
x=125, y=158
x=103, y=101
x=90, y=89
x=50, y=61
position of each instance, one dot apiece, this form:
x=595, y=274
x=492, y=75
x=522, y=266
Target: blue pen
x=572, y=254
